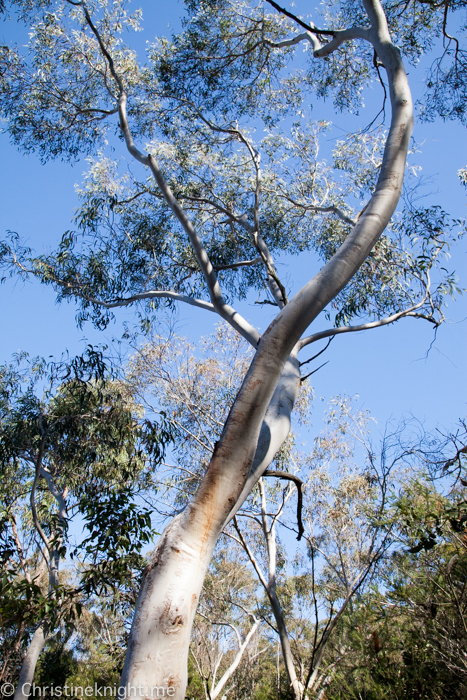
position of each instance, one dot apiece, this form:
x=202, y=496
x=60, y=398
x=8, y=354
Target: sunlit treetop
x=221, y=108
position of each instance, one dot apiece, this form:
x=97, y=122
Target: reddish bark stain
x=171, y=620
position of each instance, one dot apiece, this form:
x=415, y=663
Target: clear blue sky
x=390, y=368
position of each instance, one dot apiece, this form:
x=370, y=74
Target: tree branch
x=32, y=499
x=341, y=37
x=60, y=497
x=153, y=294
x=275, y=285
x=331, y=209
x=156, y=294
x=306, y=36
x=224, y=310
x=331, y=332
x=250, y=555
x=308, y=27
x=234, y=665
x=299, y=484
x=270, y=536
x=242, y=263
x=302, y=379
x=19, y=548
x=318, y=353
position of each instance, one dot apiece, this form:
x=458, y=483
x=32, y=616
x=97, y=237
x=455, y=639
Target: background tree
x=405, y=636
x=225, y=626
x=77, y=450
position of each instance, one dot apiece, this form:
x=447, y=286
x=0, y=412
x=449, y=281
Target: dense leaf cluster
x=72, y=445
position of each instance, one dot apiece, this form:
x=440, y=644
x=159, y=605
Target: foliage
x=128, y=248
x=79, y=450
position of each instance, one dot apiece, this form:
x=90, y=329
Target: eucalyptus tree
x=211, y=205
x=347, y=532
x=77, y=449
x=345, y=614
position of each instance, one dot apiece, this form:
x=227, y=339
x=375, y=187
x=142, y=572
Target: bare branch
x=308, y=27
x=250, y=554
x=242, y=263
x=302, y=379
x=318, y=353
x=341, y=37
x=331, y=332
x=299, y=484
x=234, y=665
x=155, y=294
x=331, y=209
x=453, y=460
x=306, y=36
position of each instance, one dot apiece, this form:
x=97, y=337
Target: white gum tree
x=259, y=420
x=202, y=211
x=38, y=541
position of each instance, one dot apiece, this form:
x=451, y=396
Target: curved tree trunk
x=156, y=661
x=275, y=428
x=174, y=577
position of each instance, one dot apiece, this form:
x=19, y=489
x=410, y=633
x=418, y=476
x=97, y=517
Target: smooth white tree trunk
x=174, y=577
x=39, y=638
x=156, y=661
x=26, y=677
x=275, y=428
